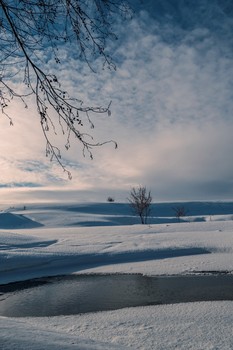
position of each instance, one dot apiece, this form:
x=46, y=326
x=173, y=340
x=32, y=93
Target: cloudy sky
x=172, y=105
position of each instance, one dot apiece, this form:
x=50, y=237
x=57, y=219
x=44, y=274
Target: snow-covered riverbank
x=44, y=246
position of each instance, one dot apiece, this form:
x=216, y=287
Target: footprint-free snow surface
x=81, y=239
x=16, y=221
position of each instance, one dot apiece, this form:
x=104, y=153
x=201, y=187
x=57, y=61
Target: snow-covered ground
x=44, y=240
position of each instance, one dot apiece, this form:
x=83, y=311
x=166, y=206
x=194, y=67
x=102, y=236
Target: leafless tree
x=140, y=200
x=180, y=211
x=30, y=31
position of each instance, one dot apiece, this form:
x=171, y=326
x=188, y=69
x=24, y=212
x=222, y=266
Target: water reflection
x=66, y=295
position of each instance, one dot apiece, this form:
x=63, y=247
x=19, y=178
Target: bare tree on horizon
x=140, y=200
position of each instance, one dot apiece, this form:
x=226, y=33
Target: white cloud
x=171, y=115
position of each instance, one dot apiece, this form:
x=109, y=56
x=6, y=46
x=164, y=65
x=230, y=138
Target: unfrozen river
x=74, y=294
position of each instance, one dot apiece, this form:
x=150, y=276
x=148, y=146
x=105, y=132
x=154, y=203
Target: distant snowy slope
x=115, y=214
x=16, y=221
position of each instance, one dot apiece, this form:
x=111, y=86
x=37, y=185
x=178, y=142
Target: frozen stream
x=74, y=294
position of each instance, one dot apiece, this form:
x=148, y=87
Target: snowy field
x=45, y=240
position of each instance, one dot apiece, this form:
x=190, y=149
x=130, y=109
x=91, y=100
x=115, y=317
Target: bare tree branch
x=27, y=28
